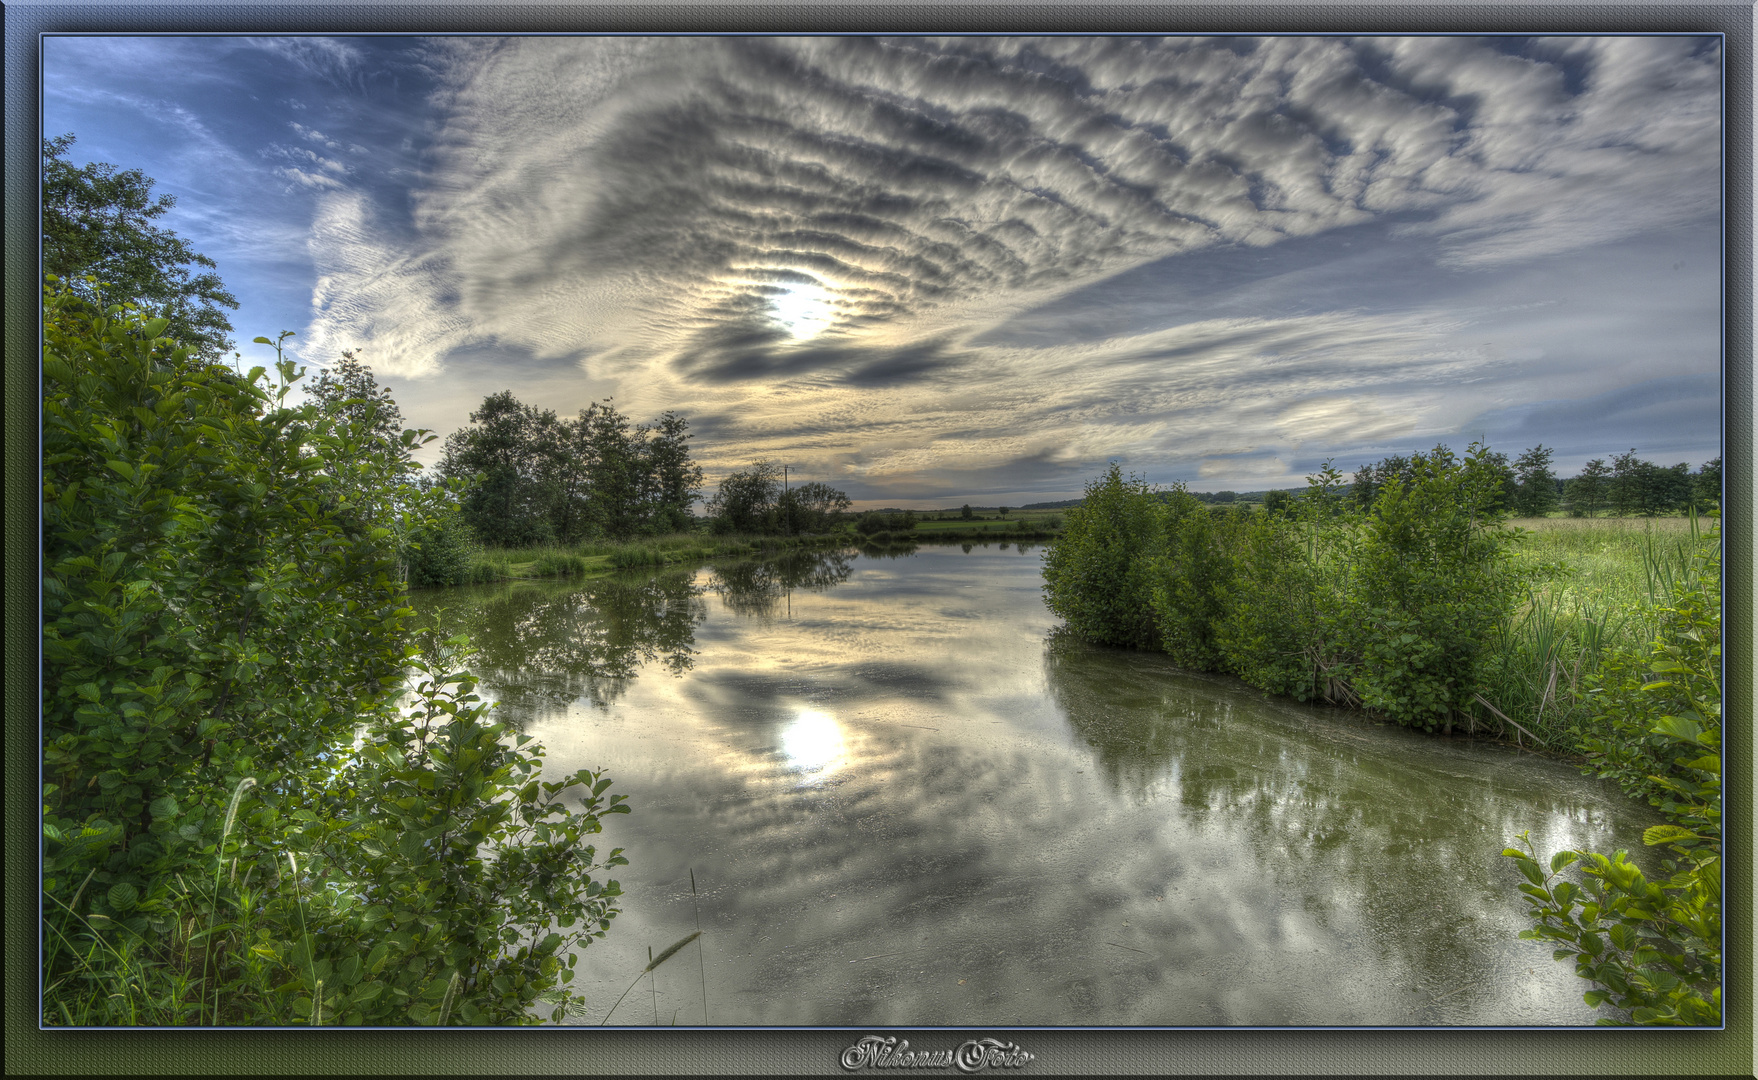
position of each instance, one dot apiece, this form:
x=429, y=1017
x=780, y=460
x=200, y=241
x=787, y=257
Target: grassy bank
x=1596, y=587
x=600, y=557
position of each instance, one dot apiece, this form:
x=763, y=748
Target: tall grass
x=1596, y=586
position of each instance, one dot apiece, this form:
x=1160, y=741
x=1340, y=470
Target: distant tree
x=1535, y=490
x=1500, y=484
x=349, y=390
x=1005, y=510
x=1706, y=484
x=1669, y=490
x=748, y=501
x=1625, y=490
x=97, y=222
x=618, y=456
x=812, y=507
x=369, y=443
x=1278, y=503
x=1370, y=480
x=506, y=507
x=965, y=512
x=1587, y=492
x=677, y=479
x=1225, y=496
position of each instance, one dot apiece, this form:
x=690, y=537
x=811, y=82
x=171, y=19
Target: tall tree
x=1625, y=490
x=812, y=507
x=618, y=468
x=349, y=390
x=1535, y=490
x=98, y=222
x=505, y=507
x=1706, y=484
x=677, y=479
x=747, y=501
x=1588, y=491
x=1669, y=490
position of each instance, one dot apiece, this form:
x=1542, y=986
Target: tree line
x=535, y=478
x=1529, y=487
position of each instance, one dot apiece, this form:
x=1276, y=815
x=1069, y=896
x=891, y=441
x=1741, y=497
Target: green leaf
x=123, y=897
x=1667, y=834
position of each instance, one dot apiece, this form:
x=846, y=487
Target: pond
x=908, y=799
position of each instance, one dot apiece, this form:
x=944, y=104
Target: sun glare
x=812, y=742
x=805, y=310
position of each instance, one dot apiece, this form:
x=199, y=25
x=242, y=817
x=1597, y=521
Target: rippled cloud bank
x=933, y=268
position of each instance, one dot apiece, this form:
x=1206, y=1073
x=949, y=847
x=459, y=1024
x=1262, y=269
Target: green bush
x=1677, y=676
x=439, y=552
x=222, y=620
x=1277, y=630
x=1431, y=581
x=1395, y=608
x=1099, y=574
x=1192, y=580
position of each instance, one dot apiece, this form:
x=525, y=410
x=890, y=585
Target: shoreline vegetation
x=1419, y=603
x=595, y=559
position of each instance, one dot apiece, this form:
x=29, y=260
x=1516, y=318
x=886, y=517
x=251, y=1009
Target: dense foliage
x=98, y=223
x=240, y=826
x=758, y=501
x=1652, y=946
x=539, y=479
x=1630, y=486
x=1391, y=607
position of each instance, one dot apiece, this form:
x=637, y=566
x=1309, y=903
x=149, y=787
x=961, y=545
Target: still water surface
x=908, y=799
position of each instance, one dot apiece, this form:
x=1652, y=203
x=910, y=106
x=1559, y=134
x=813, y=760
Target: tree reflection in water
x=756, y=587
x=540, y=646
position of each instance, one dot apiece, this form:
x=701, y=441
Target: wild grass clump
x=486, y=568
x=1596, y=586
x=558, y=564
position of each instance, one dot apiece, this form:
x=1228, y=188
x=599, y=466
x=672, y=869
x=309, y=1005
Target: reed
x=1596, y=586
x=652, y=963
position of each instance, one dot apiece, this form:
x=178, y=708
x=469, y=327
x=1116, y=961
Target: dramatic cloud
x=923, y=267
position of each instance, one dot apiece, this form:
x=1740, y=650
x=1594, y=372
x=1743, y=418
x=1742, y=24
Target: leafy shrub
x=219, y=626
x=1652, y=947
x=1276, y=631
x=1192, y=580
x=1633, y=691
x=1395, y=609
x=1098, y=575
x=439, y=552
x=1431, y=582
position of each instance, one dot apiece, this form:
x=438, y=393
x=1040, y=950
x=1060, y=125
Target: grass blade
x=670, y=952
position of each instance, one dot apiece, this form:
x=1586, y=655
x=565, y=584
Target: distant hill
x=1063, y=505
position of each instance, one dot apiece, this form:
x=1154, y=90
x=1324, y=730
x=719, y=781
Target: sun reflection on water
x=812, y=742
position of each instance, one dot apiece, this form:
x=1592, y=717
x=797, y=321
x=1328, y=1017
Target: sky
x=931, y=271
